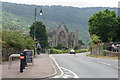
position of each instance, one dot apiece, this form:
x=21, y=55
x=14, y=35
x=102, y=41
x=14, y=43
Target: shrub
x=76, y=48
x=55, y=51
x=105, y=52
x=61, y=47
x=66, y=51
x=14, y=41
x=80, y=51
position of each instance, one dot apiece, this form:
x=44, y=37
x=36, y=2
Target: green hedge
x=80, y=51
x=55, y=51
x=66, y=51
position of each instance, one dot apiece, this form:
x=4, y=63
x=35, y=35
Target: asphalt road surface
x=82, y=66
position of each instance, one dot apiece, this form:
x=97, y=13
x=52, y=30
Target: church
x=62, y=36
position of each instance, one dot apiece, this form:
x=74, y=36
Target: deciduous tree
x=38, y=30
x=104, y=24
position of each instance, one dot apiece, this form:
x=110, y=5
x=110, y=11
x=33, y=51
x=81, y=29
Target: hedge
x=55, y=51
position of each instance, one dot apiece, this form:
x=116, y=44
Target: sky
x=74, y=3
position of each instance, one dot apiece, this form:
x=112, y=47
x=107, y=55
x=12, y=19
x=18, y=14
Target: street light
x=40, y=13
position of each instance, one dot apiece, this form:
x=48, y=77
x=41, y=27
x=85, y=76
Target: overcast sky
x=75, y=3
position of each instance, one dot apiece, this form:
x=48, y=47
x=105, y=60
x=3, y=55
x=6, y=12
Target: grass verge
x=103, y=57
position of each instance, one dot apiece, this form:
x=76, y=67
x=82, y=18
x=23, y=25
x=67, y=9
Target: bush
x=76, y=48
x=55, y=51
x=61, y=47
x=80, y=51
x=14, y=41
x=66, y=51
x=105, y=52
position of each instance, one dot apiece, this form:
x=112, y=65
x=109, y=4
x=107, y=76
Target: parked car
x=72, y=51
x=114, y=46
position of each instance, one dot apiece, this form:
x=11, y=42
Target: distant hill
x=52, y=16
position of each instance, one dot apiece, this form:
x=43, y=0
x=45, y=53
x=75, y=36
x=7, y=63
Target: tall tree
x=38, y=30
x=80, y=42
x=117, y=37
x=104, y=24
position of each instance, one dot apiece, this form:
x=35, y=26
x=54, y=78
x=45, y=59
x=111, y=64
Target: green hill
x=11, y=21
x=23, y=16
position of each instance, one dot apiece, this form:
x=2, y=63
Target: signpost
x=29, y=56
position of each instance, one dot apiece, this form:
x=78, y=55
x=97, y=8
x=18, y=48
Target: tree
x=60, y=46
x=95, y=38
x=117, y=37
x=104, y=24
x=80, y=42
x=38, y=30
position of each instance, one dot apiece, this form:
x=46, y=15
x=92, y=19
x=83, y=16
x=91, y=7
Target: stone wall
x=98, y=50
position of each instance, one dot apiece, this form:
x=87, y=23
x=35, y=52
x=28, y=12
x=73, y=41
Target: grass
x=103, y=57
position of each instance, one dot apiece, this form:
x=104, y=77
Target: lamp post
x=40, y=13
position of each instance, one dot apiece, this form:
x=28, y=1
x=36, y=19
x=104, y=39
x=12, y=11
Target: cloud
x=75, y=3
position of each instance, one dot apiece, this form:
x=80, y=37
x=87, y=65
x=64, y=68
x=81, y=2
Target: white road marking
x=104, y=63
x=66, y=76
x=118, y=67
x=75, y=76
x=58, y=67
x=108, y=64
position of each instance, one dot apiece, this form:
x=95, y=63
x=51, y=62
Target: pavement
x=43, y=67
x=0, y=71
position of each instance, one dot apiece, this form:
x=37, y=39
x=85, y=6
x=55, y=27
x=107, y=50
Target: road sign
x=29, y=56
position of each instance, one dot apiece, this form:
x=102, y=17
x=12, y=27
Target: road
x=82, y=66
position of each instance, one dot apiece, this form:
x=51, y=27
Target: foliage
x=66, y=51
x=95, y=38
x=13, y=22
x=14, y=41
x=117, y=37
x=61, y=47
x=105, y=52
x=38, y=30
x=58, y=51
x=80, y=42
x=55, y=51
x=103, y=24
x=80, y=51
x=76, y=48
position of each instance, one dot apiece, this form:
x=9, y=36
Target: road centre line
x=107, y=64
x=104, y=63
